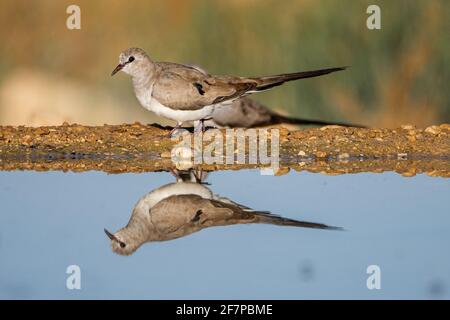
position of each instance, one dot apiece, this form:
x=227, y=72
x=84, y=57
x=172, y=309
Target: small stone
x=166, y=154
x=433, y=130
x=412, y=138
x=343, y=156
x=302, y=153
x=402, y=156
x=341, y=139
x=41, y=131
x=333, y=126
x=321, y=154
x=282, y=171
x=410, y=172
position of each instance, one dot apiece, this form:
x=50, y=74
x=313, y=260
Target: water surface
x=51, y=220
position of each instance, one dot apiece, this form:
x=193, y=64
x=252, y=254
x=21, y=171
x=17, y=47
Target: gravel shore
x=139, y=148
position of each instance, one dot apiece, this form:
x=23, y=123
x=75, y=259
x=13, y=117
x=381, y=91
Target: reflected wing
x=247, y=215
x=180, y=215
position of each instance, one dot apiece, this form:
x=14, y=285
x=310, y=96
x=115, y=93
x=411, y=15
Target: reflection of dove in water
x=179, y=209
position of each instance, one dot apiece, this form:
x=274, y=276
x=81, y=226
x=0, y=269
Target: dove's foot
x=199, y=126
x=174, y=130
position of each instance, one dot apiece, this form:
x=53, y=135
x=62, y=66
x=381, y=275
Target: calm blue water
x=49, y=221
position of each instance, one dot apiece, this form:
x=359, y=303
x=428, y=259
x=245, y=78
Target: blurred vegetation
x=399, y=74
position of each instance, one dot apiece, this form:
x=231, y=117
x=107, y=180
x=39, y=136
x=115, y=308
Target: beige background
x=399, y=74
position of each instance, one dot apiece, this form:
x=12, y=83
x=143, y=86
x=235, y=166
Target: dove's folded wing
x=182, y=87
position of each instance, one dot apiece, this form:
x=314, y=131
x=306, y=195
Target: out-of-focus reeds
x=399, y=74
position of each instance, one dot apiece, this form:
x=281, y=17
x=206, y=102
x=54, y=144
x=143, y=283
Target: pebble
x=333, y=126
x=341, y=139
x=282, y=171
x=42, y=131
x=343, y=156
x=412, y=138
x=402, y=156
x=408, y=127
x=433, y=130
x=302, y=153
x=321, y=154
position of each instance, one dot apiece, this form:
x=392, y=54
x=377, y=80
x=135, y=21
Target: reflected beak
x=110, y=235
x=117, y=69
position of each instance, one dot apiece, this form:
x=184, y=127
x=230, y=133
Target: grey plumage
x=248, y=113
x=184, y=93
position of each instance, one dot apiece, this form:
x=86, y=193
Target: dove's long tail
x=269, y=82
x=265, y=217
x=277, y=119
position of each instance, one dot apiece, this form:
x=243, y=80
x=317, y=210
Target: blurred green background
x=399, y=74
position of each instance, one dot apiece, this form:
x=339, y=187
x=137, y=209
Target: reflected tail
x=268, y=218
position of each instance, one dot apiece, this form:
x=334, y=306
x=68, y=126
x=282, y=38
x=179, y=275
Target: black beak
x=110, y=235
x=117, y=69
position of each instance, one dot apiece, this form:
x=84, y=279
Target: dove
x=184, y=207
x=184, y=93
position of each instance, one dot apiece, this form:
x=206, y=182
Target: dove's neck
x=137, y=232
x=143, y=82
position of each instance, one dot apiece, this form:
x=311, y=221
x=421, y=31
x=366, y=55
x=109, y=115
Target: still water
x=50, y=221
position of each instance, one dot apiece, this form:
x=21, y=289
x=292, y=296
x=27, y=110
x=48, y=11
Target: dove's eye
x=131, y=59
x=122, y=244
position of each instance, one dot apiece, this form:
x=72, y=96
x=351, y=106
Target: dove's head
x=122, y=242
x=133, y=61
